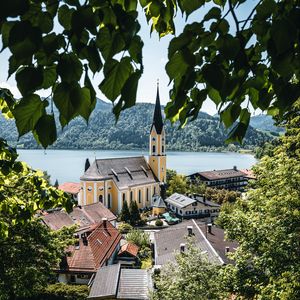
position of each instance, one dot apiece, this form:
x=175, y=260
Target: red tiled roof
x=129, y=248
x=84, y=216
x=102, y=243
x=70, y=187
x=249, y=173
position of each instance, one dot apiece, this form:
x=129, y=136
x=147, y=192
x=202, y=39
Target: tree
x=191, y=277
x=177, y=184
x=28, y=250
x=125, y=213
x=252, y=63
x=23, y=191
x=266, y=225
x=87, y=164
x=134, y=213
x=28, y=254
x=56, y=184
x=138, y=237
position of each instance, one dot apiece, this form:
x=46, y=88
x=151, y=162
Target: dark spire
x=157, y=117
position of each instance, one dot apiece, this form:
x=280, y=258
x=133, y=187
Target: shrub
x=124, y=228
x=138, y=237
x=159, y=222
x=61, y=291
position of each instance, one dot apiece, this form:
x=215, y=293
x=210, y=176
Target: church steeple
x=157, y=117
x=157, y=145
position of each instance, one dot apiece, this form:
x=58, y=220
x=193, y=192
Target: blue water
x=68, y=165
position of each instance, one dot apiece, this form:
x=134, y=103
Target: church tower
x=157, y=155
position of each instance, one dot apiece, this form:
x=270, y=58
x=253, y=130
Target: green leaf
x=109, y=43
x=69, y=68
x=188, y=6
x=69, y=99
x=230, y=114
x=116, y=77
x=65, y=16
x=177, y=43
x=5, y=31
x=135, y=49
x=214, y=95
x=177, y=66
x=27, y=112
x=238, y=132
x=45, y=130
x=29, y=79
x=228, y=45
x=213, y=13
x=213, y=74
x=128, y=93
x=91, y=53
x=83, y=97
x=50, y=77
x=24, y=40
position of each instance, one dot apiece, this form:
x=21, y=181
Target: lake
x=68, y=165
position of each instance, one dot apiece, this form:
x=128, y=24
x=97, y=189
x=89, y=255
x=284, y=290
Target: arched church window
x=101, y=198
x=140, y=196
x=108, y=201
x=124, y=197
x=162, y=148
x=153, y=148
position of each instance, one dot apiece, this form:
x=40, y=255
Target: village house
x=195, y=206
x=73, y=189
x=115, y=180
x=208, y=238
x=82, y=216
x=229, y=179
x=114, y=282
x=95, y=247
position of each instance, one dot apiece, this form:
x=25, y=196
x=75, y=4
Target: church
x=113, y=181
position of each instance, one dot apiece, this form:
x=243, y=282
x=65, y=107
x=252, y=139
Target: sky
x=154, y=58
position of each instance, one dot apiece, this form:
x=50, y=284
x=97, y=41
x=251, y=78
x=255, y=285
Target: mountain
x=265, y=123
x=132, y=132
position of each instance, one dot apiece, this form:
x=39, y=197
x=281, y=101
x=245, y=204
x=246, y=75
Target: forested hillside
x=265, y=123
x=131, y=132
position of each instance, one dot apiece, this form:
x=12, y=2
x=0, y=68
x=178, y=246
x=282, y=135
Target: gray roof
x=126, y=171
x=167, y=243
x=219, y=174
x=158, y=202
x=134, y=284
x=179, y=200
x=112, y=282
x=105, y=283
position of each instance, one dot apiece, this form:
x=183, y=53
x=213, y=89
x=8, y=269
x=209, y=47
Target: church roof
x=157, y=117
x=125, y=172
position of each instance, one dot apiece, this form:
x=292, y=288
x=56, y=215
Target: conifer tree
x=87, y=164
x=134, y=213
x=56, y=184
x=125, y=213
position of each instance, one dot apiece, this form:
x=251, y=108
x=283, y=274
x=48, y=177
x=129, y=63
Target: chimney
x=234, y=168
x=226, y=249
x=104, y=220
x=209, y=227
x=182, y=247
x=190, y=230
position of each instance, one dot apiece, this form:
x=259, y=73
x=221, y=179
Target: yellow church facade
x=112, y=181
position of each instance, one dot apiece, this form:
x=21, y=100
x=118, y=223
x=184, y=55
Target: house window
x=108, y=201
x=90, y=188
x=101, y=198
x=153, y=149
x=131, y=195
x=140, y=196
x=194, y=204
x=73, y=278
